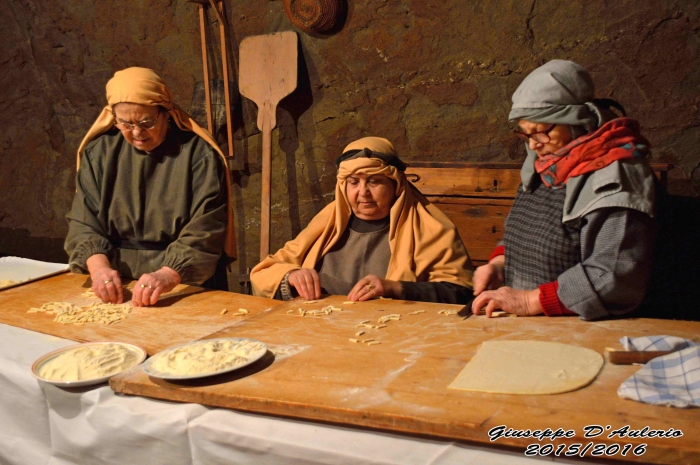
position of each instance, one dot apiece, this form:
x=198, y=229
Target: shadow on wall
x=20, y=243
x=675, y=280
x=290, y=109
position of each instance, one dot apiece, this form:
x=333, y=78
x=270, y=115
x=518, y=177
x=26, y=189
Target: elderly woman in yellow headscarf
x=153, y=195
x=379, y=238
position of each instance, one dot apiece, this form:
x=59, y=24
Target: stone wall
x=435, y=77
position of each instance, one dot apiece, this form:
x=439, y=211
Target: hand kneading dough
x=529, y=367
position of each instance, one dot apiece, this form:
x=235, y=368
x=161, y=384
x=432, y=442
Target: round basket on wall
x=313, y=15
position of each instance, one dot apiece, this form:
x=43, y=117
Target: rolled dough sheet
x=529, y=367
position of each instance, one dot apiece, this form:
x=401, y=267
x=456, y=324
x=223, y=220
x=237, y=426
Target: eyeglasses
x=542, y=136
x=143, y=124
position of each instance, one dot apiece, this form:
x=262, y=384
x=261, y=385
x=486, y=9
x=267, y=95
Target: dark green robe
x=149, y=210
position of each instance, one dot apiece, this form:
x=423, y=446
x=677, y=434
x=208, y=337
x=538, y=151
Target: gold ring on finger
x=142, y=286
x=108, y=281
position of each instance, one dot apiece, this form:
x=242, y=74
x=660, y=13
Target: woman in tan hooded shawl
x=380, y=238
x=153, y=198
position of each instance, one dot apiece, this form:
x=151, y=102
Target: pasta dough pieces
x=529, y=367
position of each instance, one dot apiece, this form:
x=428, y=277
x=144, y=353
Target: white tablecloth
x=43, y=424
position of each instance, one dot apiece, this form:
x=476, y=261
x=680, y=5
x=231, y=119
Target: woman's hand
x=524, y=303
x=373, y=286
x=151, y=285
x=307, y=282
x=490, y=276
x=106, y=283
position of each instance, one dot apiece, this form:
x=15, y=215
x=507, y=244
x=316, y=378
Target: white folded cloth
x=672, y=380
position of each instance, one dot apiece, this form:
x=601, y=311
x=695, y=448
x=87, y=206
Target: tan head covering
x=145, y=87
x=424, y=243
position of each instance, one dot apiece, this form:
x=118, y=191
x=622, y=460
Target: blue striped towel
x=672, y=380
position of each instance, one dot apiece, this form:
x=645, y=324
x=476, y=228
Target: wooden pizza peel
x=267, y=74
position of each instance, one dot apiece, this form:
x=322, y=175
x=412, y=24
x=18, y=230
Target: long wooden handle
x=205, y=67
x=227, y=93
x=221, y=15
x=266, y=127
x=628, y=357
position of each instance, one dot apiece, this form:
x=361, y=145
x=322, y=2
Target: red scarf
x=615, y=140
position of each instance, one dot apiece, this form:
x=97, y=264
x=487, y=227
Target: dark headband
x=391, y=160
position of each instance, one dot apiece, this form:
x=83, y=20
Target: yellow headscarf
x=145, y=87
x=424, y=243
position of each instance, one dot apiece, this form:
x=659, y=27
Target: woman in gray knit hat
x=579, y=237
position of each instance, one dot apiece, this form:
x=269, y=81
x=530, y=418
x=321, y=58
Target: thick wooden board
x=470, y=181
x=185, y=314
x=401, y=384
x=480, y=222
x=476, y=197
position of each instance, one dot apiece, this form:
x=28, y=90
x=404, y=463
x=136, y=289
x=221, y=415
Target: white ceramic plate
x=253, y=357
x=36, y=366
x=24, y=270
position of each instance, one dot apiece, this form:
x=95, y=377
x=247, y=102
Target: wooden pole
x=221, y=14
x=266, y=191
x=205, y=67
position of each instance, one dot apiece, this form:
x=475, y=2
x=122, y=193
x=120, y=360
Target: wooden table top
x=314, y=372
x=401, y=384
x=185, y=314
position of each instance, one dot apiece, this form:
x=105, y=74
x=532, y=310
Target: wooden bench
x=477, y=197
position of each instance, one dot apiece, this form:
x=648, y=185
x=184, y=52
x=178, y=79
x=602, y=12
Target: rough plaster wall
x=435, y=77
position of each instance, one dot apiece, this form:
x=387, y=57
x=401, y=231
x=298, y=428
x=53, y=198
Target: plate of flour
x=86, y=364
x=204, y=358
